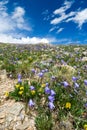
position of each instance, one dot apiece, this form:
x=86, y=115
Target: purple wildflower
x=40, y=74
x=51, y=105
x=43, y=71
x=65, y=84
x=33, y=70
x=76, y=85
x=52, y=93
x=47, y=90
x=19, y=76
x=19, y=80
x=32, y=88
x=86, y=93
x=74, y=78
x=47, y=84
x=46, y=70
x=53, y=77
x=51, y=98
x=85, y=105
x=31, y=103
x=85, y=82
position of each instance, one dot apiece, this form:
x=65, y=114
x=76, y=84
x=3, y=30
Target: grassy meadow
x=51, y=80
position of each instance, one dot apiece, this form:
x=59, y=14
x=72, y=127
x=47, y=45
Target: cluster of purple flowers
x=41, y=74
x=74, y=79
x=51, y=97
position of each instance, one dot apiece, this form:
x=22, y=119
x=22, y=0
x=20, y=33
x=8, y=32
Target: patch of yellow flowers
x=21, y=89
x=17, y=86
x=6, y=93
x=68, y=105
x=85, y=126
x=43, y=85
x=33, y=92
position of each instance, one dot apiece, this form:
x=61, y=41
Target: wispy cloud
x=62, y=9
x=60, y=13
x=59, y=30
x=53, y=28
x=78, y=16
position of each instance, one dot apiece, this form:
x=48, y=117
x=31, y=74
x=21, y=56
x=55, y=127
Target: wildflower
x=19, y=80
x=86, y=93
x=32, y=88
x=19, y=76
x=74, y=78
x=40, y=90
x=51, y=105
x=52, y=93
x=85, y=105
x=33, y=70
x=21, y=88
x=40, y=74
x=46, y=70
x=43, y=85
x=65, y=84
x=51, y=98
x=68, y=105
x=85, y=82
x=47, y=90
x=7, y=94
x=17, y=86
x=53, y=77
x=47, y=84
x=31, y=103
x=43, y=71
x=33, y=92
x=20, y=92
x=76, y=85
x=85, y=126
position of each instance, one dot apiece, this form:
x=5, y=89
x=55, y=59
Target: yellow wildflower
x=43, y=85
x=40, y=90
x=68, y=105
x=7, y=94
x=17, y=86
x=20, y=92
x=33, y=92
x=21, y=88
x=85, y=126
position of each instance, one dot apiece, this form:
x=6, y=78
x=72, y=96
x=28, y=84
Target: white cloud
x=12, y=21
x=4, y=38
x=62, y=14
x=62, y=18
x=60, y=30
x=53, y=28
x=61, y=10
x=78, y=16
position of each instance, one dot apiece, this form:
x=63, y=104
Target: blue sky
x=48, y=21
